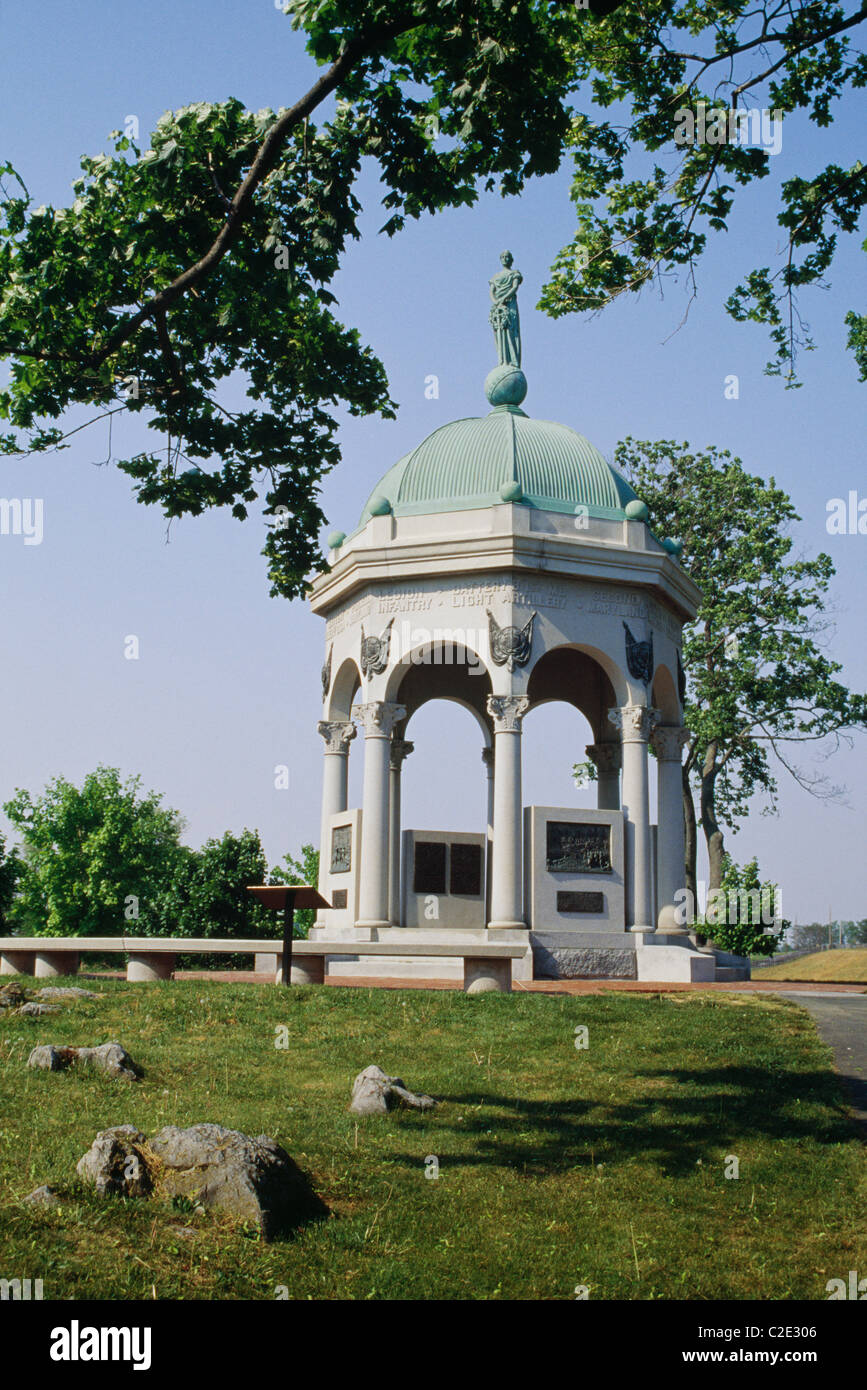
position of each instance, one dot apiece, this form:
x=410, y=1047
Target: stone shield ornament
x=639, y=657
x=510, y=646
x=325, y=674
x=374, y=651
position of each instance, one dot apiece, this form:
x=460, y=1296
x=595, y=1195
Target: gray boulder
x=65, y=992
x=33, y=1010
x=115, y=1163
x=374, y=1093
x=12, y=996
x=44, y=1196
x=109, y=1057
x=254, y=1180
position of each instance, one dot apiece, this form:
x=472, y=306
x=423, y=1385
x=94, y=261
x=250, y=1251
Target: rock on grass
x=109, y=1057
x=253, y=1180
x=374, y=1093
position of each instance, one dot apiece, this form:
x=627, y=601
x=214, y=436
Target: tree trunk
x=712, y=833
x=690, y=838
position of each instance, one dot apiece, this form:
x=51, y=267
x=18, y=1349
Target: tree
x=811, y=936
x=854, y=933
x=95, y=859
x=211, y=252
x=742, y=915
x=10, y=871
x=207, y=894
x=303, y=870
x=758, y=687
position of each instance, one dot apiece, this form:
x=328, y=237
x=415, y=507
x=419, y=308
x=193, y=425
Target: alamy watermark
x=716, y=125
x=22, y=516
x=732, y=906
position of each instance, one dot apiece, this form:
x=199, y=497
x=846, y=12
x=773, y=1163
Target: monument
x=502, y=564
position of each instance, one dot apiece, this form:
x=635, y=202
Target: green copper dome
x=479, y=461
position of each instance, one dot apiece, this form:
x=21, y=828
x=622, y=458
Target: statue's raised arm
x=504, y=312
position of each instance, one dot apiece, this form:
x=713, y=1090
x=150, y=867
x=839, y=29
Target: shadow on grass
x=675, y=1129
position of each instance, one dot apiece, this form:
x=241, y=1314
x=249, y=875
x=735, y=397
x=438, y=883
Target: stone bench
x=487, y=965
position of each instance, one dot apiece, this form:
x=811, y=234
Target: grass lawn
x=559, y=1167
x=843, y=965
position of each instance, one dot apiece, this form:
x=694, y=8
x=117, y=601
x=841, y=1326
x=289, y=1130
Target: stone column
x=338, y=734
x=507, y=896
x=488, y=760
x=635, y=723
x=668, y=741
x=607, y=757
x=400, y=749
x=378, y=719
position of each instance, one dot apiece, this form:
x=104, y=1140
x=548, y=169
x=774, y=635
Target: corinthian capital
x=400, y=749
x=378, y=717
x=338, y=734
x=606, y=756
x=668, y=741
x=507, y=711
x=635, y=722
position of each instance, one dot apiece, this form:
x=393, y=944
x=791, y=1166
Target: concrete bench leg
x=307, y=970
x=481, y=975
x=265, y=964
x=51, y=963
x=143, y=967
x=16, y=963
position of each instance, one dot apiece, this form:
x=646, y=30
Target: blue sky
x=227, y=683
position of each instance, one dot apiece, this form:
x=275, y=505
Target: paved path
x=842, y=1024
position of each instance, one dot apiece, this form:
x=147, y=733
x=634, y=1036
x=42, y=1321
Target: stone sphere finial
x=505, y=385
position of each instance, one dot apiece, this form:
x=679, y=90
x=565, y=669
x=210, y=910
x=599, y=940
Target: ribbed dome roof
x=469, y=463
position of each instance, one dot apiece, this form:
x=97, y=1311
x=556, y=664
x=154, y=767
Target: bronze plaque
x=338, y=898
x=465, y=870
x=429, y=867
x=341, y=849
x=578, y=848
x=581, y=902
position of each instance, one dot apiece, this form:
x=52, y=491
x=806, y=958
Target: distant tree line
x=812, y=935
x=104, y=859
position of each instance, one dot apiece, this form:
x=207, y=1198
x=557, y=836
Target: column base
x=648, y=931
x=371, y=925
x=507, y=926
x=667, y=922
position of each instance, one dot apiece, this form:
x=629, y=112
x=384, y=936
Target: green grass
x=840, y=965
x=558, y=1167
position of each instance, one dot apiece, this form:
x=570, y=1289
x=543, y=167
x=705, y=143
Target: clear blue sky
x=227, y=684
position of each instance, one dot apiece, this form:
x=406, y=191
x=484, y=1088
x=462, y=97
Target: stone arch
x=439, y=670
x=664, y=695
x=345, y=685
x=582, y=676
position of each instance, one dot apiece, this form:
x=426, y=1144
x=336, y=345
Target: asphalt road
x=842, y=1024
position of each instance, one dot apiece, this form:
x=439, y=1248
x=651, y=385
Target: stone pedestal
x=146, y=966
x=16, y=963
x=482, y=976
x=48, y=964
